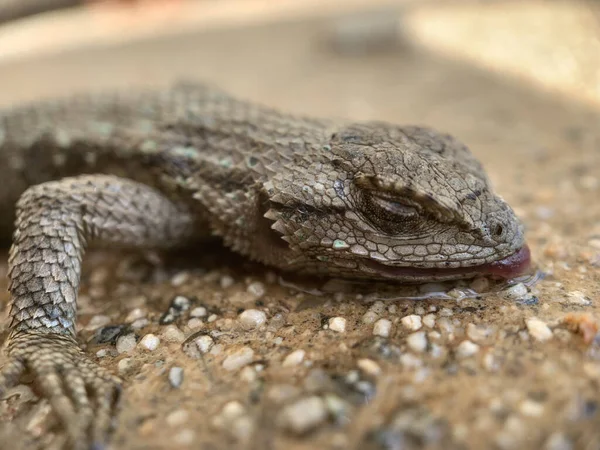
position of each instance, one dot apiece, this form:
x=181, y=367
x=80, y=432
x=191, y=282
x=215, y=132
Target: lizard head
x=404, y=203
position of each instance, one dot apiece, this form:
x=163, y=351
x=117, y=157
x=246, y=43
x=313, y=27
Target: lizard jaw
x=511, y=266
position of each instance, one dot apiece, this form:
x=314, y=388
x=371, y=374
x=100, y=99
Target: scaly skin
x=158, y=169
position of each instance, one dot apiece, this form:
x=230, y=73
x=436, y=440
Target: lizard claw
x=82, y=394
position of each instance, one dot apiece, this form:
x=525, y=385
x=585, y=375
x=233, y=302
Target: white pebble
x=185, y=437
x=135, y=314
x=177, y=417
x=176, y=376
x=369, y=367
x=337, y=324
x=252, y=318
x=173, y=334
x=294, y=358
x=257, y=289
x=578, y=298
x=150, y=342
x=212, y=318
x=238, y=359
x=429, y=320
x=515, y=292
x=382, y=328
x=195, y=323
x=97, y=322
x=410, y=361
x=304, y=415
x=126, y=343
x=140, y=323
x=124, y=365
x=179, y=279
x=538, y=329
x=198, y=311
x=226, y=281
x=466, y=349
x=412, y=322
x=204, y=343
x=477, y=332
x=417, y=342
x=369, y=317
x=531, y=408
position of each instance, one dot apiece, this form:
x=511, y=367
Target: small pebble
x=135, y=314
x=212, y=318
x=173, y=334
x=466, y=349
x=150, y=342
x=176, y=376
x=429, y=320
x=185, y=437
x=412, y=322
x=538, y=329
x=382, y=328
x=199, y=311
x=205, y=343
x=124, y=365
x=558, y=441
x=578, y=298
x=369, y=367
x=256, y=289
x=477, y=333
x=126, y=343
x=531, y=408
x=417, y=342
x=238, y=359
x=140, y=323
x=252, y=318
x=294, y=358
x=304, y=415
x=177, y=417
x=515, y=292
x=370, y=317
x=480, y=284
x=97, y=322
x=179, y=279
x=195, y=323
x=226, y=281
x=337, y=324
x=177, y=307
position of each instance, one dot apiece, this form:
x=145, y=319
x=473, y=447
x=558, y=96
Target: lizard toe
x=82, y=394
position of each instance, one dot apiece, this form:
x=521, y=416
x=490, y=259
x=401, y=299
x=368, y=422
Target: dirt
x=288, y=369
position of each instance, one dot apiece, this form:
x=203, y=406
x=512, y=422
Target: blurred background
x=518, y=81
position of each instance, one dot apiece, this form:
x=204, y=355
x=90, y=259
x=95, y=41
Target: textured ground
x=242, y=361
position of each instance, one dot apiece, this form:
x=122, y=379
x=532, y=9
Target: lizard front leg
x=55, y=221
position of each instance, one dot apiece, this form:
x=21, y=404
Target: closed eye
x=394, y=207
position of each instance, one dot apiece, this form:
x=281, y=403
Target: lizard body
x=160, y=169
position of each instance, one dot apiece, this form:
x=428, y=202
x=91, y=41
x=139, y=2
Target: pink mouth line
x=512, y=266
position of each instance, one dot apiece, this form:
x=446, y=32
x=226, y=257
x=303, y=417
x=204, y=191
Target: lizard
x=161, y=168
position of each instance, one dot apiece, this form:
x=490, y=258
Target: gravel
x=126, y=343
x=238, y=359
x=303, y=415
x=412, y=322
x=538, y=329
x=337, y=324
x=382, y=328
x=294, y=358
x=176, y=376
x=417, y=342
x=252, y=318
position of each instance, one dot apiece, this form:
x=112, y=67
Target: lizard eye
x=391, y=215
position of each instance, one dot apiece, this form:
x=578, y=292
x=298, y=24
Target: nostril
x=497, y=230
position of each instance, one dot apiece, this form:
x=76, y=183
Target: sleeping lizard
x=161, y=169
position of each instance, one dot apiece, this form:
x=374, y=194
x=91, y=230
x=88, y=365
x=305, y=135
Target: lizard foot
x=82, y=394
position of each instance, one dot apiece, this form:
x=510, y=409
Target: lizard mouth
x=510, y=267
